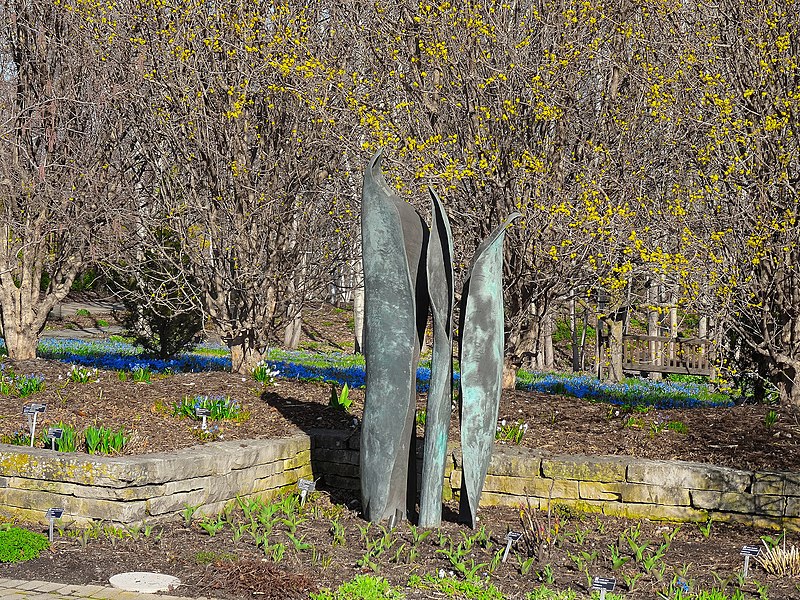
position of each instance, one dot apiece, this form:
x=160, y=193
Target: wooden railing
x=645, y=353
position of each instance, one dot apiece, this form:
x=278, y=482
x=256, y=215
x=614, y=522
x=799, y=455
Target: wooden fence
x=645, y=353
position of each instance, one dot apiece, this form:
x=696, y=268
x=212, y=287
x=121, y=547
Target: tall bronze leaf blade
x=481, y=360
x=392, y=236
x=437, y=420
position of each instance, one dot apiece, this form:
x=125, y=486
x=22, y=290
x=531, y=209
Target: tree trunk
x=291, y=334
x=509, y=375
x=787, y=381
x=244, y=353
x=573, y=329
x=615, y=351
x=24, y=310
x=519, y=343
x=358, y=319
x=21, y=342
x=673, y=319
x=547, y=342
x=652, y=323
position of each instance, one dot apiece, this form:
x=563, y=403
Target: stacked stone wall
x=154, y=487
x=149, y=487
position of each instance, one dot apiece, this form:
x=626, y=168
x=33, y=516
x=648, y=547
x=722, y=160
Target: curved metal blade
x=440, y=393
x=481, y=360
x=393, y=237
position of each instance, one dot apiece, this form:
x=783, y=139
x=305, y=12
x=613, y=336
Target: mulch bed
x=229, y=569
x=737, y=437
x=225, y=568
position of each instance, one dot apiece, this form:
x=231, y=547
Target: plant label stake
x=604, y=584
x=511, y=537
x=52, y=514
x=747, y=552
x=305, y=485
x=31, y=411
x=53, y=434
x=202, y=412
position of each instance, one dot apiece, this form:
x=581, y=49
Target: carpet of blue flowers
x=344, y=368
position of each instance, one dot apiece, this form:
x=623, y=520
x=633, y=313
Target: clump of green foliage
x=362, y=587
x=17, y=544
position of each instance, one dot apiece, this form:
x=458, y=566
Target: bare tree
x=239, y=166
x=57, y=170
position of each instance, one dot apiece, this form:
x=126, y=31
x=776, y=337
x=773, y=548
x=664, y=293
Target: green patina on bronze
x=437, y=420
x=481, y=325
x=398, y=289
x=395, y=310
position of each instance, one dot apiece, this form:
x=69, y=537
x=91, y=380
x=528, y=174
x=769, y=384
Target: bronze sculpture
x=399, y=288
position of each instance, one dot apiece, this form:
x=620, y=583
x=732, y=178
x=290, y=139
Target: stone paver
x=18, y=589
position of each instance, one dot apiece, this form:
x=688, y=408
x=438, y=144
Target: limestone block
x=577, y=505
x=792, y=524
x=87, y=491
x=86, y=508
x=679, y=474
x=791, y=484
x=739, y=503
x=585, y=468
x=527, y=486
x=247, y=453
x=182, y=464
x=515, y=462
x=655, y=494
x=792, y=507
x=174, y=503
x=343, y=456
x=343, y=469
x=282, y=480
x=595, y=490
x=455, y=479
x=265, y=470
x=298, y=460
x=37, y=463
x=27, y=515
x=772, y=484
x=448, y=466
x=493, y=499
x=655, y=512
x=447, y=493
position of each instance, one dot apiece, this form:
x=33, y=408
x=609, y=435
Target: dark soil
x=221, y=567
x=737, y=437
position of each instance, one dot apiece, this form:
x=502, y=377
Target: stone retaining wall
x=158, y=486
x=149, y=487
x=612, y=485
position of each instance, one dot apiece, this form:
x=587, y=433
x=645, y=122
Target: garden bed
x=327, y=544
x=740, y=436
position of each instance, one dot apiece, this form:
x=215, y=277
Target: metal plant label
x=604, y=584
x=53, y=434
x=199, y=411
x=33, y=408
x=31, y=411
x=750, y=550
x=52, y=514
x=511, y=537
x=747, y=552
x=305, y=486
